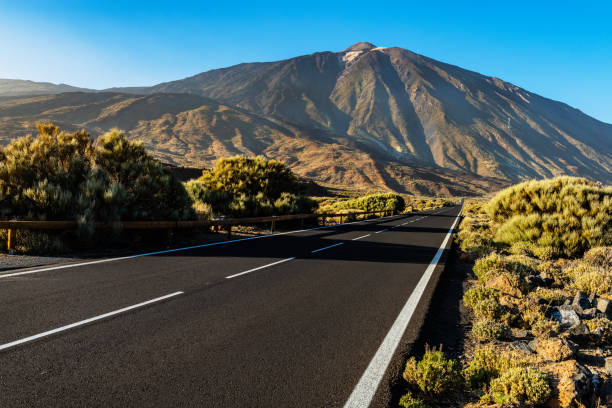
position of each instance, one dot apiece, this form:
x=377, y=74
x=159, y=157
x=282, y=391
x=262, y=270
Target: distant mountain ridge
x=19, y=87
x=326, y=112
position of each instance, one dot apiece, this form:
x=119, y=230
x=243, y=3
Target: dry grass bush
x=599, y=256
x=589, y=279
x=544, y=327
x=434, y=374
x=491, y=330
x=479, y=293
x=409, y=401
x=560, y=216
x=522, y=385
x=553, y=297
x=489, y=362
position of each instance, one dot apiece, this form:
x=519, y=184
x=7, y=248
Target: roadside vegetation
x=240, y=186
x=59, y=175
x=540, y=300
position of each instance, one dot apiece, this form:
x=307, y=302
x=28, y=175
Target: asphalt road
x=218, y=327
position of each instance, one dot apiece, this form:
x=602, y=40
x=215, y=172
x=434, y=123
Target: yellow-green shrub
x=603, y=324
x=521, y=385
x=491, y=330
x=373, y=202
x=409, y=401
x=477, y=294
x=240, y=186
x=560, y=216
x=489, y=362
x=434, y=374
x=64, y=176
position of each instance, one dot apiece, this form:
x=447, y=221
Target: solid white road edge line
x=364, y=391
x=327, y=247
x=261, y=267
x=82, y=322
x=167, y=251
x=363, y=236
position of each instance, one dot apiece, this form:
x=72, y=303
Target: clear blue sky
x=559, y=49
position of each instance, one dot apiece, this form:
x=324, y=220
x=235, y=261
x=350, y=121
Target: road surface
x=315, y=318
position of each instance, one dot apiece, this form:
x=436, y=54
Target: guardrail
x=228, y=223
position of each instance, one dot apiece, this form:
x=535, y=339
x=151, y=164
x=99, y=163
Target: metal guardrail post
x=10, y=240
x=273, y=224
x=229, y=230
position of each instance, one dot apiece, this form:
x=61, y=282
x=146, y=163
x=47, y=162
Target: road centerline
x=363, y=236
x=86, y=321
x=260, y=268
x=327, y=247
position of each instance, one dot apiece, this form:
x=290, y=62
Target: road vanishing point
x=320, y=317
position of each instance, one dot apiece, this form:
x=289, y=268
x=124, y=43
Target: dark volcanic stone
x=581, y=299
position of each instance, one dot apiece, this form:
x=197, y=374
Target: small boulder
x=581, y=299
x=588, y=313
x=555, y=349
x=504, y=284
x=605, y=306
x=581, y=334
x=570, y=381
x=566, y=316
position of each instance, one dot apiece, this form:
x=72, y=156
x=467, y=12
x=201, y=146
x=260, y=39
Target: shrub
x=373, y=202
x=477, y=294
x=495, y=264
x=489, y=362
x=553, y=297
x=545, y=327
x=488, y=309
x=434, y=374
x=590, y=279
x=475, y=236
x=561, y=216
x=491, y=330
x=245, y=187
x=408, y=401
x=63, y=176
x=521, y=385
x=599, y=256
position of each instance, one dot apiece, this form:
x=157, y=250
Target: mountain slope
x=408, y=107
x=192, y=130
x=18, y=87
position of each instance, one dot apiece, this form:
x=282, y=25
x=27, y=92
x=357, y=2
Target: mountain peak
x=360, y=46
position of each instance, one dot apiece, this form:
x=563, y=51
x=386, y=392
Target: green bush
x=434, y=374
x=65, y=176
x=373, y=202
x=488, y=309
x=599, y=256
x=604, y=325
x=475, y=236
x=489, y=363
x=408, y=401
x=247, y=187
x=491, y=330
x=560, y=216
x=545, y=327
x=478, y=293
x=521, y=385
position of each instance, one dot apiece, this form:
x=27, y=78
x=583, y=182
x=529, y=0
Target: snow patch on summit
x=351, y=55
